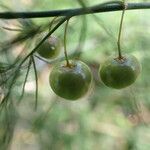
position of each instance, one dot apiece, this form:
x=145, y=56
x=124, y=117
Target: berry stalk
x=120, y=31
x=65, y=41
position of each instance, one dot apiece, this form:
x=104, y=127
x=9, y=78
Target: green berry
x=120, y=72
x=70, y=82
x=50, y=48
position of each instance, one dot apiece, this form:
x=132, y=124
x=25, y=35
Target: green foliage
x=105, y=119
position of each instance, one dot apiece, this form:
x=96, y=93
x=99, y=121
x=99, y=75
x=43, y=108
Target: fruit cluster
x=74, y=80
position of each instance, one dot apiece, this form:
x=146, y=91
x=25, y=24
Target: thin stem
x=25, y=81
x=12, y=29
x=74, y=12
x=65, y=40
x=51, y=23
x=36, y=81
x=120, y=32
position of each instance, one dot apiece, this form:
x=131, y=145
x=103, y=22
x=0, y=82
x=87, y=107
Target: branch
x=106, y=7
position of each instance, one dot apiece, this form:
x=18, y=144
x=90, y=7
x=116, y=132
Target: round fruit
x=50, y=48
x=70, y=82
x=120, y=72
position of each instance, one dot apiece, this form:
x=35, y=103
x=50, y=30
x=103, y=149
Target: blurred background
x=105, y=119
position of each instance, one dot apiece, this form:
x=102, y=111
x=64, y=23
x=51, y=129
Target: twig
x=75, y=12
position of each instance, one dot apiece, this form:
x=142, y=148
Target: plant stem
x=120, y=31
x=65, y=40
x=51, y=23
x=74, y=12
x=36, y=82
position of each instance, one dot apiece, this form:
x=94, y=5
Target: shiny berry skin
x=120, y=73
x=50, y=48
x=71, y=82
